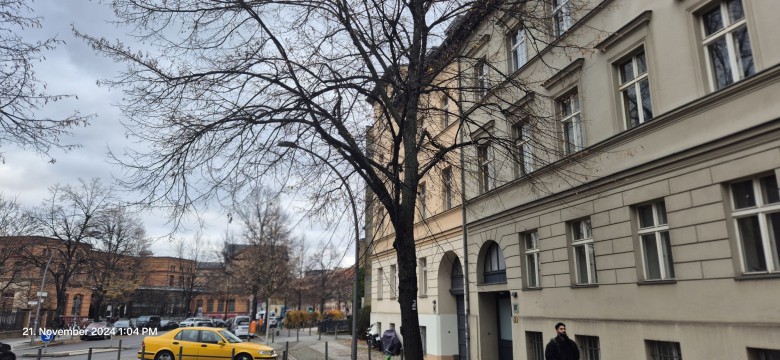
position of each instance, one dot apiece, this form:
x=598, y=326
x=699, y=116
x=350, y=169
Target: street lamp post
x=292, y=145
x=40, y=297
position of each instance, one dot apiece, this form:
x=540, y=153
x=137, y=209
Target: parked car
x=218, y=322
x=97, y=330
x=202, y=341
x=148, y=321
x=196, y=321
x=240, y=326
x=123, y=324
x=272, y=321
x=6, y=353
x=168, y=325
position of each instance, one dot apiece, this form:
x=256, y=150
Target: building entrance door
x=504, y=316
x=456, y=289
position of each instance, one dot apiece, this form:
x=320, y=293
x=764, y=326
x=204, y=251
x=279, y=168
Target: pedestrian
x=561, y=347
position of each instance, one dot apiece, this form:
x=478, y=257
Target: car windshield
x=122, y=323
x=143, y=318
x=230, y=337
x=96, y=325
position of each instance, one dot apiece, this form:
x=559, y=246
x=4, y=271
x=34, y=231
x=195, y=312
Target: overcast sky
x=73, y=68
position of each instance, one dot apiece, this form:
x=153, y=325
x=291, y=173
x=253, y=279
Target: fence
x=335, y=326
x=13, y=320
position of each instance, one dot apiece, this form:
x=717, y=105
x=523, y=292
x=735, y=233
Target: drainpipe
x=464, y=228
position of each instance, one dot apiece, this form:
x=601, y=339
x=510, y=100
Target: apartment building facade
x=639, y=205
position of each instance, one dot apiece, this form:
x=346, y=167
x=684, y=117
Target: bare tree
x=232, y=79
x=69, y=216
x=120, y=238
x=269, y=268
x=15, y=221
x=21, y=93
x=191, y=252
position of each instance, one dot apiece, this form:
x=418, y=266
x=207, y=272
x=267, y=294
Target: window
x=519, y=55
x=221, y=305
x=210, y=305
x=655, y=244
x=663, y=350
x=635, y=90
x=531, y=242
x=380, y=284
x=562, y=19
x=569, y=106
x=422, y=193
x=232, y=305
x=173, y=268
x=181, y=281
x=494, y=266
x=584, y=257
x=75, y=309
x=535, y=345
x=199, y=305
x=485, y=167
x=445, y=110
x=423, y=264
x=589, y=346
x=171, y=280
x=763, y=354
x=483, y=78
x=523, y=133
x=756, y=204
x=209, y=337
x=726, y=43
x=393, y=287
x=446, y=178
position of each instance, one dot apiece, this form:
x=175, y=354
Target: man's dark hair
x=559, y=325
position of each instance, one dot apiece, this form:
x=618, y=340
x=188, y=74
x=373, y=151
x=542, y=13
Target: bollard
x=143, y=352
x=402, y=354
x=273, y=338
x=119, y=350
x=89, y=354
x=39, y=353
x=369, y=351
x=298, y=334
x=181, y=350
x=286, y=349
x=284, y=355
x=233, y=354
x=326, y=350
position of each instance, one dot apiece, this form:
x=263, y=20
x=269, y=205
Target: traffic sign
x=42, y=294
x=32, y=303
x=47, y=336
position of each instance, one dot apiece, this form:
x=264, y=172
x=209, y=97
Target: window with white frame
x=517, y=49
x=422, y=193
x=535, y=345
x=584, y=256
x=485, y=167
x=589, y=346
x=423, y=268
x=531, y=243
x=523, y=133
x=380, y=284
x=727, y=43
x=663, y=350
x=483, y=77
x=635, y=90
x=393, y=287
x=446, y=178
x=445, y=110
x=654, y=237
x=569, y=108
x=562, y=17
x=756, y=212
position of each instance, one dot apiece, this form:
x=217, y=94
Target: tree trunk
x=407, y=294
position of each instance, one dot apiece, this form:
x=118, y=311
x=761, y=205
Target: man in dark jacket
x=561, y=347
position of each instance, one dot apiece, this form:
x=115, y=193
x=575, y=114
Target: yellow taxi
x=201, y=343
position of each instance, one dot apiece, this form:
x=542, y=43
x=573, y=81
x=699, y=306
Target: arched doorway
x=457, y=291
x=495, y=305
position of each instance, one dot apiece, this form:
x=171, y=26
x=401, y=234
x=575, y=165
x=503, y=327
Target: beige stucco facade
x=701, y=142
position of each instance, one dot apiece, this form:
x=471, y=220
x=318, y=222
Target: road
x=102, y=349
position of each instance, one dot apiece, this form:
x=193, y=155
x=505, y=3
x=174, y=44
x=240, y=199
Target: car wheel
x=163, y=355
x=243, y=357
x=8, y=356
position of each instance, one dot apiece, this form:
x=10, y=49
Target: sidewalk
x=312, y=347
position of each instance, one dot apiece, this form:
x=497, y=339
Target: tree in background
x=15, y=220
x=192, y=277
x=22, y=94
x=120, y=239
x=70, y=216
